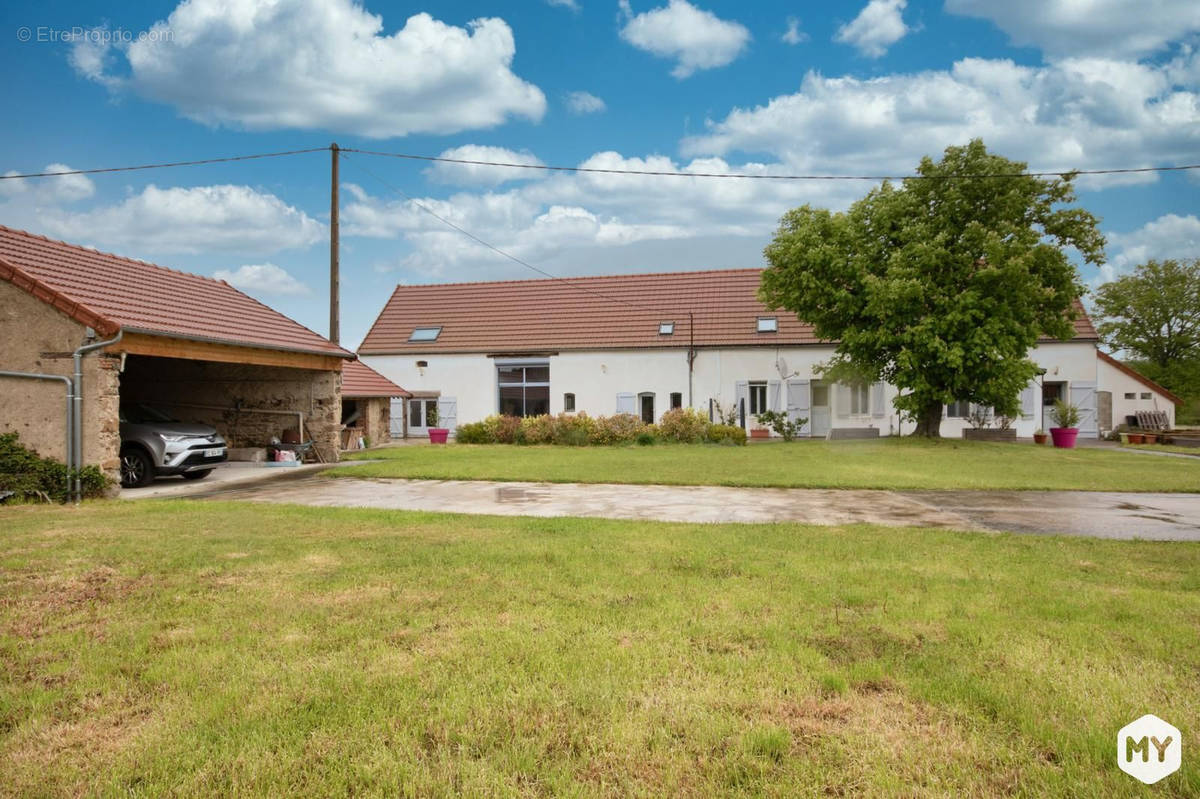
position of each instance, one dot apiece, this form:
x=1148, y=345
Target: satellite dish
x=782, y=366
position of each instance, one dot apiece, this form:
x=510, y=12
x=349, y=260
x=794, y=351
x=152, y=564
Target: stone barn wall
x=232, y=394
x=34, y=337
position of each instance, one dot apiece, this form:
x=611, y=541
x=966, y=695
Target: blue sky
x=767, y=87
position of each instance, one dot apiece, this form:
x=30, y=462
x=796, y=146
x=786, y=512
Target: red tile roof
x=108, y=292
x=611, y=312
x=360, y=380
x=1138, y=376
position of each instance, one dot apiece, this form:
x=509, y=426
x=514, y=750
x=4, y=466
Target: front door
x=1051, y=393
x=421, y=415
x=821, y=416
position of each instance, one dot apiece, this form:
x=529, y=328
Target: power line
x=743, y=176
x=493, y=248
x=164, y=165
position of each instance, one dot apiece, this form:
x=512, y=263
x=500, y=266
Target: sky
x=864, y=87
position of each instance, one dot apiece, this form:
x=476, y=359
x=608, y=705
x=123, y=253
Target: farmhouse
x=195, y=347
x=646, y=343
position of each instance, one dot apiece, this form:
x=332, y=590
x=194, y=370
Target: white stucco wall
x=597, y=377
x=1120, y=384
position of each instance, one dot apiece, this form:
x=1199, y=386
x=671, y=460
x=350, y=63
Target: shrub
x=536, y=430
x=726, y=434
x=503, y=429
x=474, y=433
x=31, y=476
x=645, y=438
x=619, y=429
x=684, y=425
x=573, y=430
x=1065, y=414
x=779, y=422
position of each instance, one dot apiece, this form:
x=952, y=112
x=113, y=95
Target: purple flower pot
x=1064, y=437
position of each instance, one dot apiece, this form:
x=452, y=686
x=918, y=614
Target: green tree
x=1153, y=313
x=942, y=285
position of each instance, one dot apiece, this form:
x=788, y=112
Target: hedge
x=31, y=476
x=578, y=430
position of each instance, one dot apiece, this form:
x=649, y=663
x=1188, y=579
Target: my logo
x=1149, y=749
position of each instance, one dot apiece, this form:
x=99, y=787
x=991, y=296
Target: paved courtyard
x=1166, y=517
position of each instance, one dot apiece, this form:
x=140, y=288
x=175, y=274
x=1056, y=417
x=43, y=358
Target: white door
x=821, y=415
x=799, y=403
x=447, y=413
x=396, y=419
x=420, y=415
x=1083, y=396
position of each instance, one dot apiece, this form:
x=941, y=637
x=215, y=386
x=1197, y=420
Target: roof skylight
x=425, y=334
x=666, y=328
x=768, y=324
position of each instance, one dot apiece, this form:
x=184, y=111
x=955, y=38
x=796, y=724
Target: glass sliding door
x=524, y=389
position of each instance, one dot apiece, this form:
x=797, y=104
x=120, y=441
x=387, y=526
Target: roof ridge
x=609, y=276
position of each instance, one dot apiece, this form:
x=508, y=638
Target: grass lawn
x=895, y=463
x=1165, y=448
x=208, y=648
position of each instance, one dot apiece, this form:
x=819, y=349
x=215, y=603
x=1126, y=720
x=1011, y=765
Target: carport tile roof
x=109, y=292
x=609, y=312
x=360, y=380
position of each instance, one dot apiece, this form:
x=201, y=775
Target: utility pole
x=334, y=280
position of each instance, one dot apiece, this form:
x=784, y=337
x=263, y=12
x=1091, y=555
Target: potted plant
x=1040, y=436
x=1066, y=416
x=1135, y=438
x=1150, y=438
x=437, y=435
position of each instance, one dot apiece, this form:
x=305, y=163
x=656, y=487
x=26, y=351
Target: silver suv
x=152, y=444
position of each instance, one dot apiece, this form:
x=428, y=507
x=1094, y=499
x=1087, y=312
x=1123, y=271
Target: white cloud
x=478, y=174
x=201, y=219
x=571, y=4
x=1107, y=28
x=1079, y=113
x=1169, y=237
x=793, y=34
x=267, y=279
x=584, y=103
x=47, y=191
x=876, y=28
x=696, y=39
x=321, y=64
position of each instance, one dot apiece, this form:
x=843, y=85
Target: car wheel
x=200, y=475
x=136, y=468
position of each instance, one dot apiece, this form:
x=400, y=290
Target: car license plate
x=213, y=453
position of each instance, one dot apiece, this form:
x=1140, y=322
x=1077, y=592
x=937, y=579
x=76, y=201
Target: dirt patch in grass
x=40, y=603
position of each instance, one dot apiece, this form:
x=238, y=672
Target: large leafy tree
x=1154, y=312
x=940, y=285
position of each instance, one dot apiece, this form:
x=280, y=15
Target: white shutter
x=1083, y=396
x=447, y=413
x=626, y=403
x=799, y=401
x=773, y=395
x=396, y=418
x=741, y=398
x=1027, y=402
x=877, y=409
x=841, y=399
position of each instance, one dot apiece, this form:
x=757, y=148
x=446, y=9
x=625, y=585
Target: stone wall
x=34, y=337
x=233, y=397
x=376, y=417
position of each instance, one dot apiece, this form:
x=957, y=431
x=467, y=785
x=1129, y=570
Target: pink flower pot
x=437, y=435
x=1064, y=437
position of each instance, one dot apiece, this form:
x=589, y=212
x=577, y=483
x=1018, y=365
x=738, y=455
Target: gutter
x=69, y=452
x=77, y=405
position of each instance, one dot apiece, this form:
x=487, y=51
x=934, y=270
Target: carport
x=195, y=347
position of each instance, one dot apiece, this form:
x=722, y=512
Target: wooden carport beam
x=166, y=347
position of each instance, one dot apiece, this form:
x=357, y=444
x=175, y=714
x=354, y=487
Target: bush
x=1065, y=414
x=503, y=429
x=474, y=433
x=573, y=430
x=727, y=434
x=645, y=438
x=684, y=425
x=31, y=476
x=622, y=428
x=779, y=422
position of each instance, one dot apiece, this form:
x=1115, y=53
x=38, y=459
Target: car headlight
x=171, y=439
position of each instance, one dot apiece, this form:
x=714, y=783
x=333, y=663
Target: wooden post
x=334, y=280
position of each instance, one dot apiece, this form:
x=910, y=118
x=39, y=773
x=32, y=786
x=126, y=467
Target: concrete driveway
x=1165, y=517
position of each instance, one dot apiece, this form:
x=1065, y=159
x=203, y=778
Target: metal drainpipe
x=77, y=411
x=69, y=452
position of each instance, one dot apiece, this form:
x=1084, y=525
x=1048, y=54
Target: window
x=568, y=403
x=860, y=399
x=1130, y=395
x=425, y=334
x=768, y=324
x=666, y=328
x=524, y=389
x=959, y=409
x=758, y=399
x=646, y=405
x=676, y=399
x=1145, y=395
